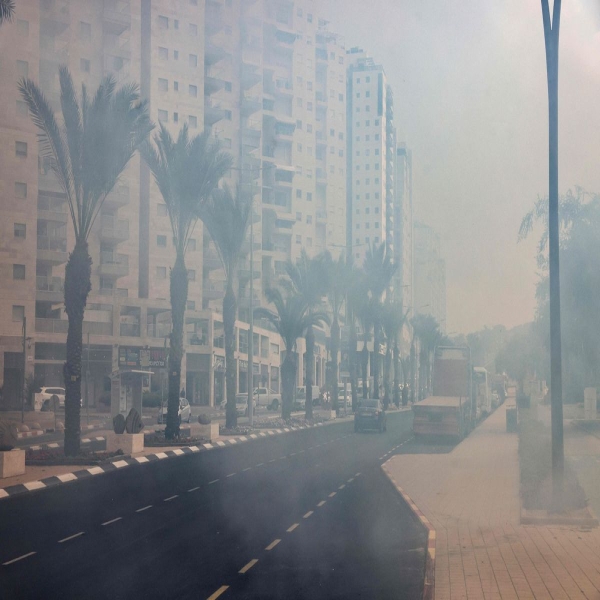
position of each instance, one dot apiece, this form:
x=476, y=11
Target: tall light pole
x=24, y=365
x=551, y=35
x=251, y=319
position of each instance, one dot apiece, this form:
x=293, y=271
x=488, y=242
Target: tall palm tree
x=187, y=171
x=393, y=320
x=227, y=216
x=290, y=319
x=307, y=279
x=339, y=276
x=7, y=10
x=426, y=329
x=87, y=151
x=379, y=269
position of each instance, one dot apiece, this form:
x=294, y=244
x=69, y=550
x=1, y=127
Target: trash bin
x=511, y=419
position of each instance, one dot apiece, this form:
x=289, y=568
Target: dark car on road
x=370, y=415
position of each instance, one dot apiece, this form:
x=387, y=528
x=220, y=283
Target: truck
x=482, y=392
x=451, y=410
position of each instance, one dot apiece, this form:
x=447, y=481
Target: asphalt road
x=308, y=514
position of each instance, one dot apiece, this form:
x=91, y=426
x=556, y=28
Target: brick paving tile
x=471, y=497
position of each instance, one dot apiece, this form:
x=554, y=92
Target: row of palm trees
x=88, y=150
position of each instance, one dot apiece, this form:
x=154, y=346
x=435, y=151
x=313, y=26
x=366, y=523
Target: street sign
x=142, y=358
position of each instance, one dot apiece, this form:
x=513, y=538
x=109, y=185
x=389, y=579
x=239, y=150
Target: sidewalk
x=471, y=498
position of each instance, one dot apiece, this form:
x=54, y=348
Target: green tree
x=227, y=217
x=187, y=171
x=291, y=319
x=427, y=331
x=307, y=279
x=393, y=319
x=7, y=10
x=87, y=151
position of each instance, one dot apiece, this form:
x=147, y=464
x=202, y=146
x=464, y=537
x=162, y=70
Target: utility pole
x=551, y=35
x=251, y=319
x=87, y=377
x=24, y=365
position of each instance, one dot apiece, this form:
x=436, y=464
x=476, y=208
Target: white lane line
x=321, y=503
x=272, y=545
x=272, y=460
x=300, y=451
x=282, y=457
x=357, y=475
x=290, y=529
x=14, y=560
x=194, y=489
x=292, y=454
x=99, y=439
x=231, y=474
x=310, y=512
x=145, y=508
x=246, y=469
x=262, y=434
x=111, y=521
x=71, y=537
x=53, y=445
x=213, y=481
x=342, y=486
x=310, y=448
x=260, y=464
x=222, y=589
x=332, y=494
x=120, y=464
x=171, y=498
x=247, y=567
x=350, y=480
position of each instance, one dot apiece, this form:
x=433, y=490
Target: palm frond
x=7, y=10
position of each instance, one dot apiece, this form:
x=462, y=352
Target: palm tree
x=393, y=321
x=187, y=171
x=364, y=311
x=88, y=152
x=290, y=319
x=7, y=10
x=426, y=329
x=339, y=276
x=307, y=279
x=379, y=270
x=227, y=217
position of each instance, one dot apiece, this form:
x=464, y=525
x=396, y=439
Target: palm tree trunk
x=310, y=367
x=365, y=365
x=179, y=293
x=387, y=367
x=335, y=351
x=376, y=359
x=288, y=380
x=353, y=342
x=397, y=374
x=229, y=312
x=77, y=287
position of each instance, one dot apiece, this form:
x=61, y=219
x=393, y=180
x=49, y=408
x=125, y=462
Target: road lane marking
x=111, y=521
x=220, y=444
x=321, y=503
x=66, y=477
x=290, y=529
x=71, y=537
x=292, y=454
x=34, y=485
x=272, y=545
x=246, y=469
x=350, y=480
x=231, y=475
x=300, y=451
x=213, y=481
x=282, y=457
x=342, y=486
x=357, y=475
x=272, y=460
x=145, y=508
x=208, y=446
x=222, y=589
x=194, y=489
x=247, y=567
x=310, y=512
x=14, y=560
x=171, y=498
x=332, y=494
x=260, y=464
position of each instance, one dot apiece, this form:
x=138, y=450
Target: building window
x=176, y=117
x=298, y=124
x=23, y=27
x=22, y=108
x=228, y=115
x=368, y=79
x=193, y=90
x=309, y=128
x=377, y=210
x=341, y=97
x=18, y=313
x=309, y=196
x=20, y=189
x=175, y=24
x=163, y=22
x=309, y=85
x=84, y=65
x=18, y=271
x=309, y=219
x=163, y=53
x=161, y=210
x=163, y=116
x=176, y=54
x=193, y=122
x=367, y=123
x=176, y=86
x=20, y=230
x=161, y=241
x=309, y=17
x=85, y=30
x=368, y=94
x=298, y=216
x=228, y=86
x=377, y=240
x=309, y=241
x=21, y=148
x=377, y=225
x=161, y=272
x=298, y=193
x=191, y=305
x=193, y=30
x=163, y=85
x=367, y=225
x=341, y=153
x=376, y=122
x=309, y=106
x=367, y=210
x=22, y=69
x=191, y=275
x=298, y=239
x=193, y=60
x=299, y=147
x=299, y=102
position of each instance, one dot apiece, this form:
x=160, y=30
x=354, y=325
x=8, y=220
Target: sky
x=469, y=82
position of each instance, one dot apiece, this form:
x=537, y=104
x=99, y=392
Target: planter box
x=128, y=443
x=12, y=462
x=209, y=432
x=333, y=414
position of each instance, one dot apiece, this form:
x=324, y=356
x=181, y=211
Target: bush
x=151, y=399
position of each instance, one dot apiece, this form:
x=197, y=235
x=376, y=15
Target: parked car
x=50, y=395
x=264, y=396
x=185, y=412
x=241, y=404
x=370, y=415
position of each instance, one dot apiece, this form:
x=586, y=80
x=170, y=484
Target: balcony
x=116, y=17
x=194, y=339
x=250, y=105
x=49, y=289
x=212, y=113
x=113, y=265
x=284, y=129
x=213, y=84
x=55, y=17
x=244, y=269
x=113, y=292
x=250, y=76
x=97, y=328
x=211, y=259
x=285, y=37
x=52, y=249
x=244, y=299
x=112, y=230
x=51, y=325
x=213, y=290
x=158, y=330
x=213, y=54
x=251, y=134
x=321, y=175
x=53, y=216
x=117, y=198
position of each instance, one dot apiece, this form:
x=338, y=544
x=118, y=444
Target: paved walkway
x=471, y=497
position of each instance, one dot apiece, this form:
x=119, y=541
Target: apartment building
x=429, y=274
x=268, y=80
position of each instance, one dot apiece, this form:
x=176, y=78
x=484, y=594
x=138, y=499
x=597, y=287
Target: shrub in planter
x=8, y=435
x=204, y=419
x=151, y=399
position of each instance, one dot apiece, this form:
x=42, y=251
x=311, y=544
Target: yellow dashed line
x=272, y=545
x=247, y=567
x=310, y=512
x=322, y=502
x=290, y=529
x=332, y=494
x=222, y=589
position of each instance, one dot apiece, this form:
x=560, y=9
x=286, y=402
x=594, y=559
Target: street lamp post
x=251, y=319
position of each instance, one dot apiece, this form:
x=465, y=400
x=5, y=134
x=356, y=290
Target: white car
x=185, y=412
x=50, y=395
x=267, y=397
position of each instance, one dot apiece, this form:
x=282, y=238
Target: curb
x=27, y=434
x=31, y=486
x=429, y=577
